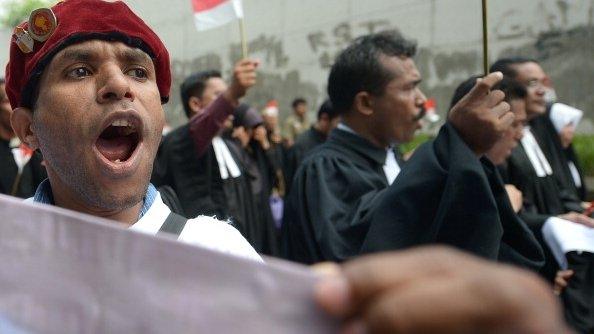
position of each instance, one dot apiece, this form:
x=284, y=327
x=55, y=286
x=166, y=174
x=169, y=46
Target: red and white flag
x=431, y=110
x=210, y=14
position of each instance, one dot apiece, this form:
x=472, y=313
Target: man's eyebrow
x=77, y=55
x=134, y=56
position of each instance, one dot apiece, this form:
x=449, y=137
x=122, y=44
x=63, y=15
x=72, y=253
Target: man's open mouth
x=119, y=139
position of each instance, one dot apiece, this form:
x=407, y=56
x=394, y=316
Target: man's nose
x=113, y=85
x=421, y=98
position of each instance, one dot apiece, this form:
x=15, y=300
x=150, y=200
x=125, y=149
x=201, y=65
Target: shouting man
x=88, y=94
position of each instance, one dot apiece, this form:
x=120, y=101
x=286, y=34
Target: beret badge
x=23, y=40
x=41, y=25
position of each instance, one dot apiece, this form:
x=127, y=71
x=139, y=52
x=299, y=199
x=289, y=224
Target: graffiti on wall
x=327, y=44
x=269, y=49
x=545, y=35
x=264, y=47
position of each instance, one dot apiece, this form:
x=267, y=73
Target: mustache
x=422, y=112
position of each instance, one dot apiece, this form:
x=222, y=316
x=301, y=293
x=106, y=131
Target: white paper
x=563, y=236
x=563, y=115
x=65, y=272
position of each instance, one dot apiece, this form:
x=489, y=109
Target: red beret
x=79, y=21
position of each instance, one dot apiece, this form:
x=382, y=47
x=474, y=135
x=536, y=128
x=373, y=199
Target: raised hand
x=244, y=77
x=481, y=116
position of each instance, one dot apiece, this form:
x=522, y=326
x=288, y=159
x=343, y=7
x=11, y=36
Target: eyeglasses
x=535, y=83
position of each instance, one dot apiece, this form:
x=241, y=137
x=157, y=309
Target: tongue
x=116, y=148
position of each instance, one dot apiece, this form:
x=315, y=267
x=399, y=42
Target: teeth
x=122, y=122
x=117, y=160
x=127, y=130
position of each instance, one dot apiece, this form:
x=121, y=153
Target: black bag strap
x=174, y=224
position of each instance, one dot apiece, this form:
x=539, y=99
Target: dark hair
x=327, y=109
x=358, y=68
x=246, y=116
x=194, y=85
x=297, y=102
x=463, y=89
x=506, y=65
x=511, y=88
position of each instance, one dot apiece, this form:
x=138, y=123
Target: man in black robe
x=549, y=187
x=338, y=188
x=537, y=168
x=316, y=135
x=204, y=169
x=408, y=217
x=21, y=182
x=262, y=166
x=518, y=245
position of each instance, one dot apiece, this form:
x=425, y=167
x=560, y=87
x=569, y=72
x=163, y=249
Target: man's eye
x=79, y=72
x=137, y=73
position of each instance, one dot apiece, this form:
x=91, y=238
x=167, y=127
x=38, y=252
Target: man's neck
x=357, y=127
x=321, y=129
x=67, y=199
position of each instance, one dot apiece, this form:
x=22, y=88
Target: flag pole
x=15, y=185
x=244, y=48
x=485, y=39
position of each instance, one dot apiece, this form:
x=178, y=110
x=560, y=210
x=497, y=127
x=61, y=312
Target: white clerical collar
x=391, y=167
x=227, y=164
x=344, y=127
x=535, y=155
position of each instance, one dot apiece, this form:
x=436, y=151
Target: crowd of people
x=80, y=128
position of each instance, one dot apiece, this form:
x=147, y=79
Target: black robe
x=446, y=195
x=541, y=199
x=548, y=139
x=33, y=173
x=262, y=166
x=334, y=194
x=578, y=296
x=581, y=190
x=304, y=143
x=198, y=184
x=540, y=195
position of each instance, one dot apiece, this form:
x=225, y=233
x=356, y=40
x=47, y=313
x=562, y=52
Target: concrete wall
x=298, y=39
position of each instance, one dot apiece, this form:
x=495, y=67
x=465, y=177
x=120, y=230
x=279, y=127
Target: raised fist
x=244, y=77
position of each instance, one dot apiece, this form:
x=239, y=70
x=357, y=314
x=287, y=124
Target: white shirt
x=575, y=174
x=202, y=231
x=391, y=167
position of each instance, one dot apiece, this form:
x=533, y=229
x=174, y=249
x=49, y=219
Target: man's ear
x=22, y=123
x=363, y=103
x=195, y=104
